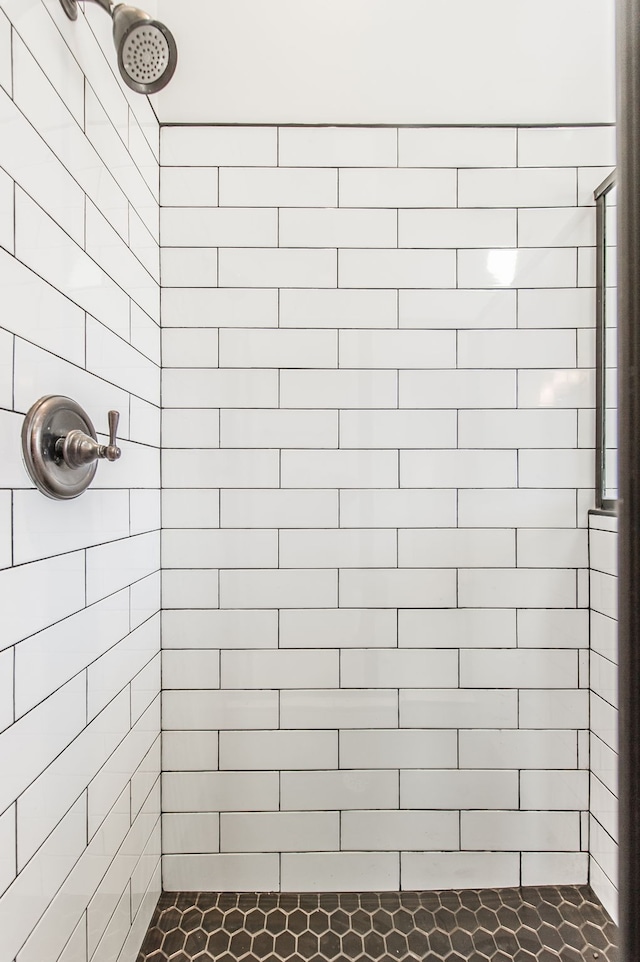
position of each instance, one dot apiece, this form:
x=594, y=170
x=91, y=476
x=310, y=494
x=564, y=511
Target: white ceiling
x=390, y=61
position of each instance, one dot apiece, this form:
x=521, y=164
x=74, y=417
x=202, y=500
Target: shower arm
x=70, y=7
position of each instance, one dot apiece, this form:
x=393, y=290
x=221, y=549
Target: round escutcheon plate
x=47, y=421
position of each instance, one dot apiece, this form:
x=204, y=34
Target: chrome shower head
x=147, y=52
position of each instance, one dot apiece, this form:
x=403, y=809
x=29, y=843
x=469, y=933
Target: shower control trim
x=61, y=449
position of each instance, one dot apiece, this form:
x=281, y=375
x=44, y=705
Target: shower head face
x=147, y=52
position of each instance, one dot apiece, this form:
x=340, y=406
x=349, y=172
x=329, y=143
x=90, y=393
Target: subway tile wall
x=378, y=462
x=79, y=580
x=603, y=808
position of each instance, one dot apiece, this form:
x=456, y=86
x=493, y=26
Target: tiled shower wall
x=79, y=580
x=603, y=808
x=378, y=432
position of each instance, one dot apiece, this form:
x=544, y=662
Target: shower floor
x=546, y=924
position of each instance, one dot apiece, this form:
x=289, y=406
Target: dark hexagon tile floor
x=550, y=924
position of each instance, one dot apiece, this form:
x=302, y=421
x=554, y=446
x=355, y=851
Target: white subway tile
x=457, y=628
x=340, y=872
x=603, y=545
x=197, y=307
x=338, y=308
x=516, y=349
x=564, y=868
x=398, y=749
x=386, y=187
x=398, y=429
x=38, y=312
x=459, y=870
x=276, y=750
x=278, y=509
x=604, y=637
x=220, y=469
x=219, y=791
x=199, y=590
x=113, y=566
x=459, y=789
x=457, y=389
x=5, y=528
x=516, y=587
x=457, y=708
x=556, y=389
x=51, y=657
x=545, y=187
x=556, y=227
x=399, y=668
x=551, y=791
x=280, y=832
x=397, y=588
x=337, y=147
x=190, y=833
x=189, y=428
x=587, y=267
x=397, y=349
x=339, y=469
x=5, y=59
x=458, y=469
x=211, y=873
x=557, y=469
x=189, y=266
x=395, y=508
x=6, y=690
x=209, y=710
x=604, y=593
x=589, y=179
x=200, y=226
x=396, y=268
x=277, y=187
x=59, y=585
x=553, y=629
x=35, y=887
x=107, y=676
x=228, y=548
x=518, y=669
x=337, y=628
x=567, y=147
x=516, y=508
x=287, y=267
x=457, y=228
x=186, y=668
x=145, y=599
x=188, y=186
x=518, y=429
x=8, y=848
x=457, y=309
x=456, y=548
x=220, y=629
x=316, y=548
x=556, y=308
x=549, y=548
x=513, y=831
x=214, y=146
x=190, y=347
x=279, y=669
x=518, y=749
x=6, y=212
x=338, y=389
x=278, y=589
x=265, y=348
x=392, y=831
x=457, y=147
x=30, y=745
x=201, y=388
x=337, y=227
x=114, y=360
x=189, y=751
x=145, y=334
x=325, y=791
x=338, y=709
x=47, y=250
x=525, y=267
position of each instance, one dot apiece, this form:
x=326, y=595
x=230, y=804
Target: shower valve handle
x=78, y=448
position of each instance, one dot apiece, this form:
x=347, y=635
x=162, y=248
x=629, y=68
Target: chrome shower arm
x=70, y=7
x=105, y=4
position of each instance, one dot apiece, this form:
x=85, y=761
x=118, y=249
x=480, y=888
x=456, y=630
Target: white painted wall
x=390, y=61
x=79, y=580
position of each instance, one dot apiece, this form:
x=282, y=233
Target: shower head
x=147, y=52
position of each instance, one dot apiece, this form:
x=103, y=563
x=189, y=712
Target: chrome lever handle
x=77, y=448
